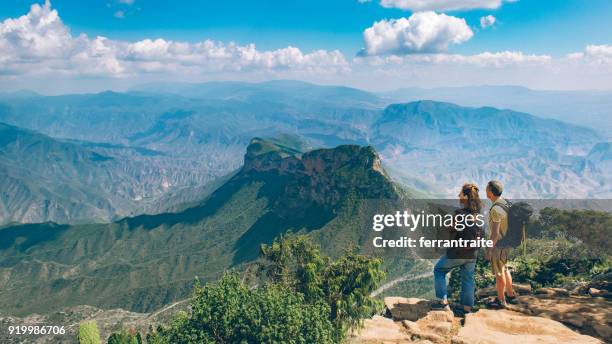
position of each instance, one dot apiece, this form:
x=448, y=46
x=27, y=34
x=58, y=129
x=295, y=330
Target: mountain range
x=163, y=145
x=585, y=108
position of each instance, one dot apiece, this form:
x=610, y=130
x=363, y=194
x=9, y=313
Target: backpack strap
x=505, y=207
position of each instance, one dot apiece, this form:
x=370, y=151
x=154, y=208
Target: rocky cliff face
x=322, y=177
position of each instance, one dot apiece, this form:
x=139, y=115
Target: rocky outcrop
x=503, y=326
x=379, y=330
x=589, y=315
x=411, y=320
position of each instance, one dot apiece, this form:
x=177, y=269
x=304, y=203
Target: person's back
x=498, y=227
x=471, y=231
x=462, y=258
x=498, y=213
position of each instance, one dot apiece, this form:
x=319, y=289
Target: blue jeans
x=445, y=265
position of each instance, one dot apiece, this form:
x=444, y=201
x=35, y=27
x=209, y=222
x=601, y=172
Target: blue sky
x=533, y=26
x=551, y=28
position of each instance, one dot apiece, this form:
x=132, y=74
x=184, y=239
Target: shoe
x=497, y=304
x=439, y=306
x=511, y=300
x=460, y=312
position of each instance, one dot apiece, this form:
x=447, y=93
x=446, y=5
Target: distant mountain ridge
x=45, y=179
x=588, y=108
x=449, y=144
x=185, y=136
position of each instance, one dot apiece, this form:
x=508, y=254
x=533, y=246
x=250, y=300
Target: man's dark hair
x=495, y=187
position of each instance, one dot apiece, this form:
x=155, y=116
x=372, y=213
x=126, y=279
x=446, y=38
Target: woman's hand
x=488, y=253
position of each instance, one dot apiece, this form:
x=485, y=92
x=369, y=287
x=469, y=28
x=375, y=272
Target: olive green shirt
x=499, y=215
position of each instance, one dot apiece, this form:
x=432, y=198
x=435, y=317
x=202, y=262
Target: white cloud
x=599, y=54
x=486, y=59
x=39, y=43
x=487, y=21
x=422, y=32
x=127, y=2
x=440, y=5
x=119, y=14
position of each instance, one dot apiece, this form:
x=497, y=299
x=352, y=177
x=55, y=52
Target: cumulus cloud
x=39, y=42
x=422, y=32
x=440, y=5
x=487, y=21
x=599, y=54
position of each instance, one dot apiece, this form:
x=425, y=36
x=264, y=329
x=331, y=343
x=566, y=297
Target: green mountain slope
x=48, y=179
x=143, y=262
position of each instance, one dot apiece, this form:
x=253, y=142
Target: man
x=498, y=226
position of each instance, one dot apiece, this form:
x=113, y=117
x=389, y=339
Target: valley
x=164, y=145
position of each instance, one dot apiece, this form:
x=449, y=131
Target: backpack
x=472, y=232
x=518, y=215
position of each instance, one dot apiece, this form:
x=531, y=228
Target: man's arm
x=495, y=232
x=495, y=224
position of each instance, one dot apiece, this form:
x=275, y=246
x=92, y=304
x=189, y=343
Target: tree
x=88, y=333
x=345, y=284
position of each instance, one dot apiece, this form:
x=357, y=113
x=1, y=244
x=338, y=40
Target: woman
x=463, y=258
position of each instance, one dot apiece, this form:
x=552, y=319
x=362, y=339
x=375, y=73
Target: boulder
x=380, y=330
x=594, y=292
x=503, y=326
x=402, y=308
x=419, y=321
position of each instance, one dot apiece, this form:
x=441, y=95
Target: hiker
x=463, y=258
x=498, y=256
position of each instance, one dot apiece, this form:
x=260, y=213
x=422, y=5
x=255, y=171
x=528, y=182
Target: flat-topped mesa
x=325, y=160
x=322, y=176
x=263, y=155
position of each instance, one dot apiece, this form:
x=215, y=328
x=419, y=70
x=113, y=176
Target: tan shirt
x=499, y=215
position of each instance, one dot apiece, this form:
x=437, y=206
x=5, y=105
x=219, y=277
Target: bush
x=125, y=337
x=229, y=312
x=345, y=284
x=88, y=333
x=304, y=298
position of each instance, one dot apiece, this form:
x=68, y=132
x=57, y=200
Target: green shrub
x=229, y=312
x=88, y=333
x=345, y=284
x=125, y=337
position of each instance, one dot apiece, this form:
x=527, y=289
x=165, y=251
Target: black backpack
x=518, y=216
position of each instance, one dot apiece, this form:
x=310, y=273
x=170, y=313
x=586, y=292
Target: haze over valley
x=99, y=157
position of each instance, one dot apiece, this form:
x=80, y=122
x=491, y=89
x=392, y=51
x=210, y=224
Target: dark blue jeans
x=445, y=265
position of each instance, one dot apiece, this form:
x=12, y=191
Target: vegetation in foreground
x=304, y=297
